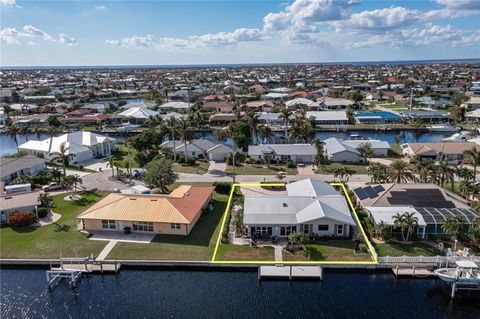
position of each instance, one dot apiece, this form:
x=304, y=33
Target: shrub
x=222, y=187
x=21, y=219
x=291, y=164
x=249, y=160
x=42, y=212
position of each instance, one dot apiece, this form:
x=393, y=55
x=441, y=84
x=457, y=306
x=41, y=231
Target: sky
x=115, y=32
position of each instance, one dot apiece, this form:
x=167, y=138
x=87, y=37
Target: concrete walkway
x=217, y=168
x=106, y=250
x=278, y=253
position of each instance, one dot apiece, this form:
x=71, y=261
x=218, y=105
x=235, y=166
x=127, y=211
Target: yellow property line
x=227, y=209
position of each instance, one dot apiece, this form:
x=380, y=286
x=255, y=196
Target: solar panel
x=378, y=188
x=370, y=192
x=360, y=193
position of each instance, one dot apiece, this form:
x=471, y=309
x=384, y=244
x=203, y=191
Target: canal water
x=7, y=145
x=201, y=294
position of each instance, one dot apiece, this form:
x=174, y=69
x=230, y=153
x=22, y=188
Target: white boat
x=462, y=136
x=442, y=128
x=467, y=272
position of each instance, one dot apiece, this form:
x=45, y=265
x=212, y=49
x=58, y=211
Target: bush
x=222, y=187
x=42, y=212
x=291, y=164
x=21, y=219
x=249, y=160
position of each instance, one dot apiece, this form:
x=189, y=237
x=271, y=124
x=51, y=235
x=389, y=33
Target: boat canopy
x=466, y=264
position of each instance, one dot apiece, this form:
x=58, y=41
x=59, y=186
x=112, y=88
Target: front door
x=306, y=229
x=120, y=225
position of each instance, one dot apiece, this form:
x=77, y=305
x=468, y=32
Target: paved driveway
x=101, y=181
x=217, y=168
x=305, y=170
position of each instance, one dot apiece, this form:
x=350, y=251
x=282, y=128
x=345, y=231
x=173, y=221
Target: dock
x=290, y=272
x=413, y=272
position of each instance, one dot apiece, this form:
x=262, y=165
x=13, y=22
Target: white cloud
x=13, y=36
x=9, y=3
x=460, y=4
x=100, y=7
x=206, y=40
x=67, y=40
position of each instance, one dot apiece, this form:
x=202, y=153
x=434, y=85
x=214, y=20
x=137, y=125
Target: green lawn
x=231, y=252
x=198, y=245
x=53, y=241
x=399, y=249
x=249, y=169
x=328, y=169
x=197, y=168
x=119, y=155
x=333, y=250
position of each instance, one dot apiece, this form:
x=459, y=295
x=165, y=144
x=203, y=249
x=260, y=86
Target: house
x=331, y=103
x=95, y=107
x=429, y=203
x=473, y=116
x=201, y=148
x=22, y=202
x=310, y=207
x=224, y=107
x=82, y=145
x=89, y=119
x=377, y=118
x=473, y=103
x=427, y=116
x=173, y=214
x=297, y=153
x=451, y=152
x=176, y=106
x=312, y=105
x=346, y=151
x=78, y=112
x=262, y=106
x=328, y=117
x=12, y=167
x=222, y=119
x=136, y=115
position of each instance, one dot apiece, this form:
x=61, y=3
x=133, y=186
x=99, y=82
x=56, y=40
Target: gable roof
x=10, y=165
x=282, y=149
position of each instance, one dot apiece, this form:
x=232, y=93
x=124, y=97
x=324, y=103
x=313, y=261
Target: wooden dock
x=92, y=268
x=290, y=272
x=413, y=272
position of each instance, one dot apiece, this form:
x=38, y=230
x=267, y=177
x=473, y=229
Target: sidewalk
x=106, y=250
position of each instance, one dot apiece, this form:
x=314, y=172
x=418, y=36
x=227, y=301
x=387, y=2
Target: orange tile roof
x=181, y=206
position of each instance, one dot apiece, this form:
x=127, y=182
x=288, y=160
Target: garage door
x=219, y=157
x=304, y=159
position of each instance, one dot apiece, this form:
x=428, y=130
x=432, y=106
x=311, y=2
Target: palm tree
x=112, y=163
x=187, y=134
x=298, y=238
x=444, y=173
x=472, y=157
x=56, y=175
x=252, y=120
x=464, y=173
x=344, y=173
x=38, y=132
x=452, y=226
x=399, y=223
x=63, y=156
x=285, y=114
x=265, y=132
x=365, y=150
x=13, y=131
x=399, y=172
x=422, y=168
x=24, y=130
x=377, y=172
x=172, y=126
x=410, y=221
x=46, y=201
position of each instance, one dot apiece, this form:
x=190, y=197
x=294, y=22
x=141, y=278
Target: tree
x=70, y=183
x=453, y=225
x=158, y=173
x=350, y=117
x=409, y=221
x=365, y=150
x=13, y=132
x=444, y=173
x=187, y=134
x=344, y=173
x=320, y=157
x=355, y=96
x=423, y=168
x=112, y=163
x=252, y=121
x=298, y=238
x=63, y=156
x=172, y=126
x=265, y=132
x=472, y=157
x=241, y=134
x=377, y=173
x=399, y=172
x=285, y=114
x=45, y=200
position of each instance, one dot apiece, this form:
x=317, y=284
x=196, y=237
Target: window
x=175, y=226
x=109, y=224
x=339, y=229
x=287, y=230
x=143, y=226
x=322, y=227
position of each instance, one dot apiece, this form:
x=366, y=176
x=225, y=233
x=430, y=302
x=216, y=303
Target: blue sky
x=198, y=32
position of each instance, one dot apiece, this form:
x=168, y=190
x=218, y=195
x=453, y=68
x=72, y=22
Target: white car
x=51, y=187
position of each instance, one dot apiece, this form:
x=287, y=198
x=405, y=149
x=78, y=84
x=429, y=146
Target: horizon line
x=426, y=61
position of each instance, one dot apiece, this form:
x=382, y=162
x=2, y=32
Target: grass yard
x=121, y=151
x=333, y=250
x=399, y=249
x=198, y=245
x=249, y=169
x=197, y=168
x=231, y=252
x=328, y=169
x=55, y=240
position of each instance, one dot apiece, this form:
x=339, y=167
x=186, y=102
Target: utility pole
x=411, y=99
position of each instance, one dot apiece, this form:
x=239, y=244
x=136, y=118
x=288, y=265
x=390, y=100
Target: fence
x=424, y=259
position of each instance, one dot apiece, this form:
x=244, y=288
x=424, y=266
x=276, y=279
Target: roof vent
x=285, y=205
x=133, y=199
x=153, y=200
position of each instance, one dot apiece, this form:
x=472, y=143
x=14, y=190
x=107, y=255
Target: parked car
x=51, y=187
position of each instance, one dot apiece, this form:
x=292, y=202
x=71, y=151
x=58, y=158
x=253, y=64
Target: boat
x=466, y=272
x=462, y=136
x=442, y=128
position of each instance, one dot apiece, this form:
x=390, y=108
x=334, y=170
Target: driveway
x=97, y=165
x=257, y=190
x=383, y=161
x=305, y=170
x=101, y=181
x=217, y=168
